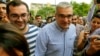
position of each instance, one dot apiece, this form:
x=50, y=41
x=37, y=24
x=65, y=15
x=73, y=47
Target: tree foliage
x=46, y=11
x=32, y=12
x=81, y=8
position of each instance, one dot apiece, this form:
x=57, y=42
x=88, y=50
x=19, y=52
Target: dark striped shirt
x=31, y=36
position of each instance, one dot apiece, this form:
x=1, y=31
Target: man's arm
x=41, y=43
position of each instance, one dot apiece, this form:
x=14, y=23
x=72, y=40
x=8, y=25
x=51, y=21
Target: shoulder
x=72, y=26
x=78, y=25
x=32, y=26
x=97, y=31
x=49, y=26
x=32, y=29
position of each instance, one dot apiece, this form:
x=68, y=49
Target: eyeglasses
x=16, y=16
x=65, y=16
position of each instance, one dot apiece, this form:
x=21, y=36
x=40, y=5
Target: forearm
x=81, y=45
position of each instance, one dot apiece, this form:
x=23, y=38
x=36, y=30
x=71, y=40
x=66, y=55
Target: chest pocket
x=70, y=40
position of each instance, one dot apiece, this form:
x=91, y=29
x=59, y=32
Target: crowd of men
x=63, y=34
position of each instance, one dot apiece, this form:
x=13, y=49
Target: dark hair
x=97, y=12
x=37, y=16
x=16, y=3
x=96, y=15
x=49, y=17
x=12, y=39
x=1, y=2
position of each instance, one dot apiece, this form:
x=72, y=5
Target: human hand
x=86, y=31
x=94, y=45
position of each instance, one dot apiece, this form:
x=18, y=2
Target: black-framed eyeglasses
x=65, y=16
x=16, y=16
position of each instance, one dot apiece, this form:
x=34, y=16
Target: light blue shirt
x=53, y=41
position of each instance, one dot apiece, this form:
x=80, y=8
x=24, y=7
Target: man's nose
x=19, y=18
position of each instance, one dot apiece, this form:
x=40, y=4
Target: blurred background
x=46, y=8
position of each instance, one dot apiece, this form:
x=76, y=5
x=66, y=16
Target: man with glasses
x=57, y=38
x=18, y=14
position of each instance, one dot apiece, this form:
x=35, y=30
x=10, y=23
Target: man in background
x=3, y=17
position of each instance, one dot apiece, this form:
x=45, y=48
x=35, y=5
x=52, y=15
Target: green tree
x=46, y=11
x=32, y=12
x=81, y=8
